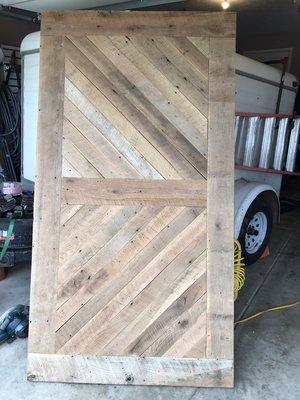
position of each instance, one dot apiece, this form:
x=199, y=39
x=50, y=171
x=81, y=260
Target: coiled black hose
x=10, y=132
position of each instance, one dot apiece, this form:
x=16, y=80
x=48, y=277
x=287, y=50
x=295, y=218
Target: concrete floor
x=267, y=359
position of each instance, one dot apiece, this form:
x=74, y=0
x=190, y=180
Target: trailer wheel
x=256, y=229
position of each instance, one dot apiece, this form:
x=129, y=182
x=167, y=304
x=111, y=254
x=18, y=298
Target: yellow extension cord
x=239, y=280
x=239, y=269
x=258, y=314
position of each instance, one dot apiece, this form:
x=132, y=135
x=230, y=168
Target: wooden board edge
x=161, y=23
x=45, y=250
x=220, y=200
x=124, y=370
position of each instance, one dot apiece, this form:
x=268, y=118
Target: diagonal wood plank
x=172, y=339
x=136, y=97
x=77, y=160
x=96, y=275
x=200, y=59
x=122, y=124
x=84, y=249
x=109, y=132
x=138, y=273
x=91, y=153
x=85, y=278
x=170, y=91
x=96, y=138
x=162, y=326
x=181, y=84
x=197, y=75
x=176, y=114
x=157, y=297
x=136, y=117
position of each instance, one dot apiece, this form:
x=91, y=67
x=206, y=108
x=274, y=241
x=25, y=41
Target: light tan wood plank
x=95, y=137
x=157, y=297
x=145, y=265
x=74, y=233
x=78, y=161
x=98, y=275
x=173, y=96
x=197, y=75
x=121, y=123
x=163, y=23
x=74, y=255
x=202, y=44
x=91, y=153
x=191, y=193
x=137, y=118
x=220, y=233
x=85, y=276
x=67, y=212
x=130, y=370
x=123, y=87
x=69, y=170
x=166, y=344
x=192, y=340
x=46, y=226
x=110, y=132
x=199, y=59
x=178, y=116
x=179, y=82
x=165, y=321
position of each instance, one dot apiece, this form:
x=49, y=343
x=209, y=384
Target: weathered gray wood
x=47, y=196
x=164, y=23
x=122, y=234
x=129, y=370
x=220, y=181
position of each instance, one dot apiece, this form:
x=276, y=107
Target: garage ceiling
x=40, y=5
x=255, y=17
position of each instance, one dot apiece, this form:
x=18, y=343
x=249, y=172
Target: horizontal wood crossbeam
x=93, y=191
x=130, y=370
x=166, y=23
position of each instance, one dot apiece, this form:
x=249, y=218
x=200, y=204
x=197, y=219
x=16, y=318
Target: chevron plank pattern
x=136, y=172
x=136, y=286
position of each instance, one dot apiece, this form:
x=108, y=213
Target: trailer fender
x=245, y=193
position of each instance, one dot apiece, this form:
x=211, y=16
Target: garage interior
x=266, y=347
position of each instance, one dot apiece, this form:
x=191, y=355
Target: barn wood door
x=133, y=233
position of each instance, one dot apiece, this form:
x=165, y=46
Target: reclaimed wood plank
x=191, y=193
x=164, y=23
x=220, y=186
x=45, y=250
x=154, y=113
x=130, y=370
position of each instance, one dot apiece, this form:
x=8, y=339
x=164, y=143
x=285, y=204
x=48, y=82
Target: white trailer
x=256, y=192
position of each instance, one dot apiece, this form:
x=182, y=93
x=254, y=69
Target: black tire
x=262, y=204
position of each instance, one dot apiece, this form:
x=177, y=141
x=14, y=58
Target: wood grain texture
x=47, y=195
x=129, y=370
x=164, y=23
x=133, y=264
x=140, y=191
x=220, y=185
